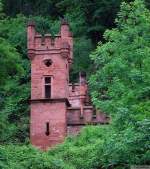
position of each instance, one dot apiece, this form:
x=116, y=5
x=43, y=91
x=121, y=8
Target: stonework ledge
x=78, y=108
x=54, y=100
x=83, y=123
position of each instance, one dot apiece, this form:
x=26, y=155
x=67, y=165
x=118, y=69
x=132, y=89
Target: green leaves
x=122, y=76
x=122, y=61
x=9, y=61
x=119, y=85
x=14, y=71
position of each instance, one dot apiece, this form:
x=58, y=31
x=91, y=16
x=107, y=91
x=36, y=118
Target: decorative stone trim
x=54, y=100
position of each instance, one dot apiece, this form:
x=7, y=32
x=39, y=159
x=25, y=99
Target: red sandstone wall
x=57, y=70
x=74, y=130
x=52, y=110
x=55, y=114
x=74, y=95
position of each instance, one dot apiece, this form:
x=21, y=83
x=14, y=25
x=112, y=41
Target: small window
x=47, y=132
x=48, y=62
x=47, y=87
x=47, y=80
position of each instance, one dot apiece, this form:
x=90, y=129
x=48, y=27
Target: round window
x=48, y=62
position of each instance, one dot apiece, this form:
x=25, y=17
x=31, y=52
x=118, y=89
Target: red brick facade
x=58, y=108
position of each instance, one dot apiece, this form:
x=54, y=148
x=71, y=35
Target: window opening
x=47, y=132
x=47, y=87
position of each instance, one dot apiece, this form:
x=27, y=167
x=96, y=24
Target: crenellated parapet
x=57, y=108
x=60, y=44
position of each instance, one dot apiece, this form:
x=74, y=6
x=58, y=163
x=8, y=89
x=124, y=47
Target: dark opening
x=48, y=62
x=47, y=91
x=47, y=80
x=94, y=114
x=82, y=77
x=83, y=74
x=47, y=132
x=73, y=87
x=47, y=87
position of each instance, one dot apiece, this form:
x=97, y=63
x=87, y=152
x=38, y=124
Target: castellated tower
x=50, y=62
x=58, y=108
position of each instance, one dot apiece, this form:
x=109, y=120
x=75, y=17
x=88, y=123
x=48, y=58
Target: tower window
x=47, y=132
x=47, y=87
x=48, y=62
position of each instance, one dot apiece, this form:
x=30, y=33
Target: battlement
x=57, y=107
x=61, y=43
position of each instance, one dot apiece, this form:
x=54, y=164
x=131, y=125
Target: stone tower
x=50, y=58
x=58, y=108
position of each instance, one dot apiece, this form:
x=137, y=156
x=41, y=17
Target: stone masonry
x=58, y=107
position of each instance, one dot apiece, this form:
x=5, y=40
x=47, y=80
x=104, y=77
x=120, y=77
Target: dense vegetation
x=120, y=85
x=87, y=19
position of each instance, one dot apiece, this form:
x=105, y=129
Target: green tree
x=120, y=85
x=98, y=15
x=11, y=72
x=122, y=77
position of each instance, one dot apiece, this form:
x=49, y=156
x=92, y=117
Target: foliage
x=96, y=147
x=122, y=75
x=120, y=85
x=23, y=157
x=73, y=154
x=97, y=15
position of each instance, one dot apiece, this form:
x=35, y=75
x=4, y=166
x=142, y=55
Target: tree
x=120, y=85
x=122, y=78
x=11, y=73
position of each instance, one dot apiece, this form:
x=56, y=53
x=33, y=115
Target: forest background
x=112, y=44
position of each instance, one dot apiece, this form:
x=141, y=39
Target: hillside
x=111, y=43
